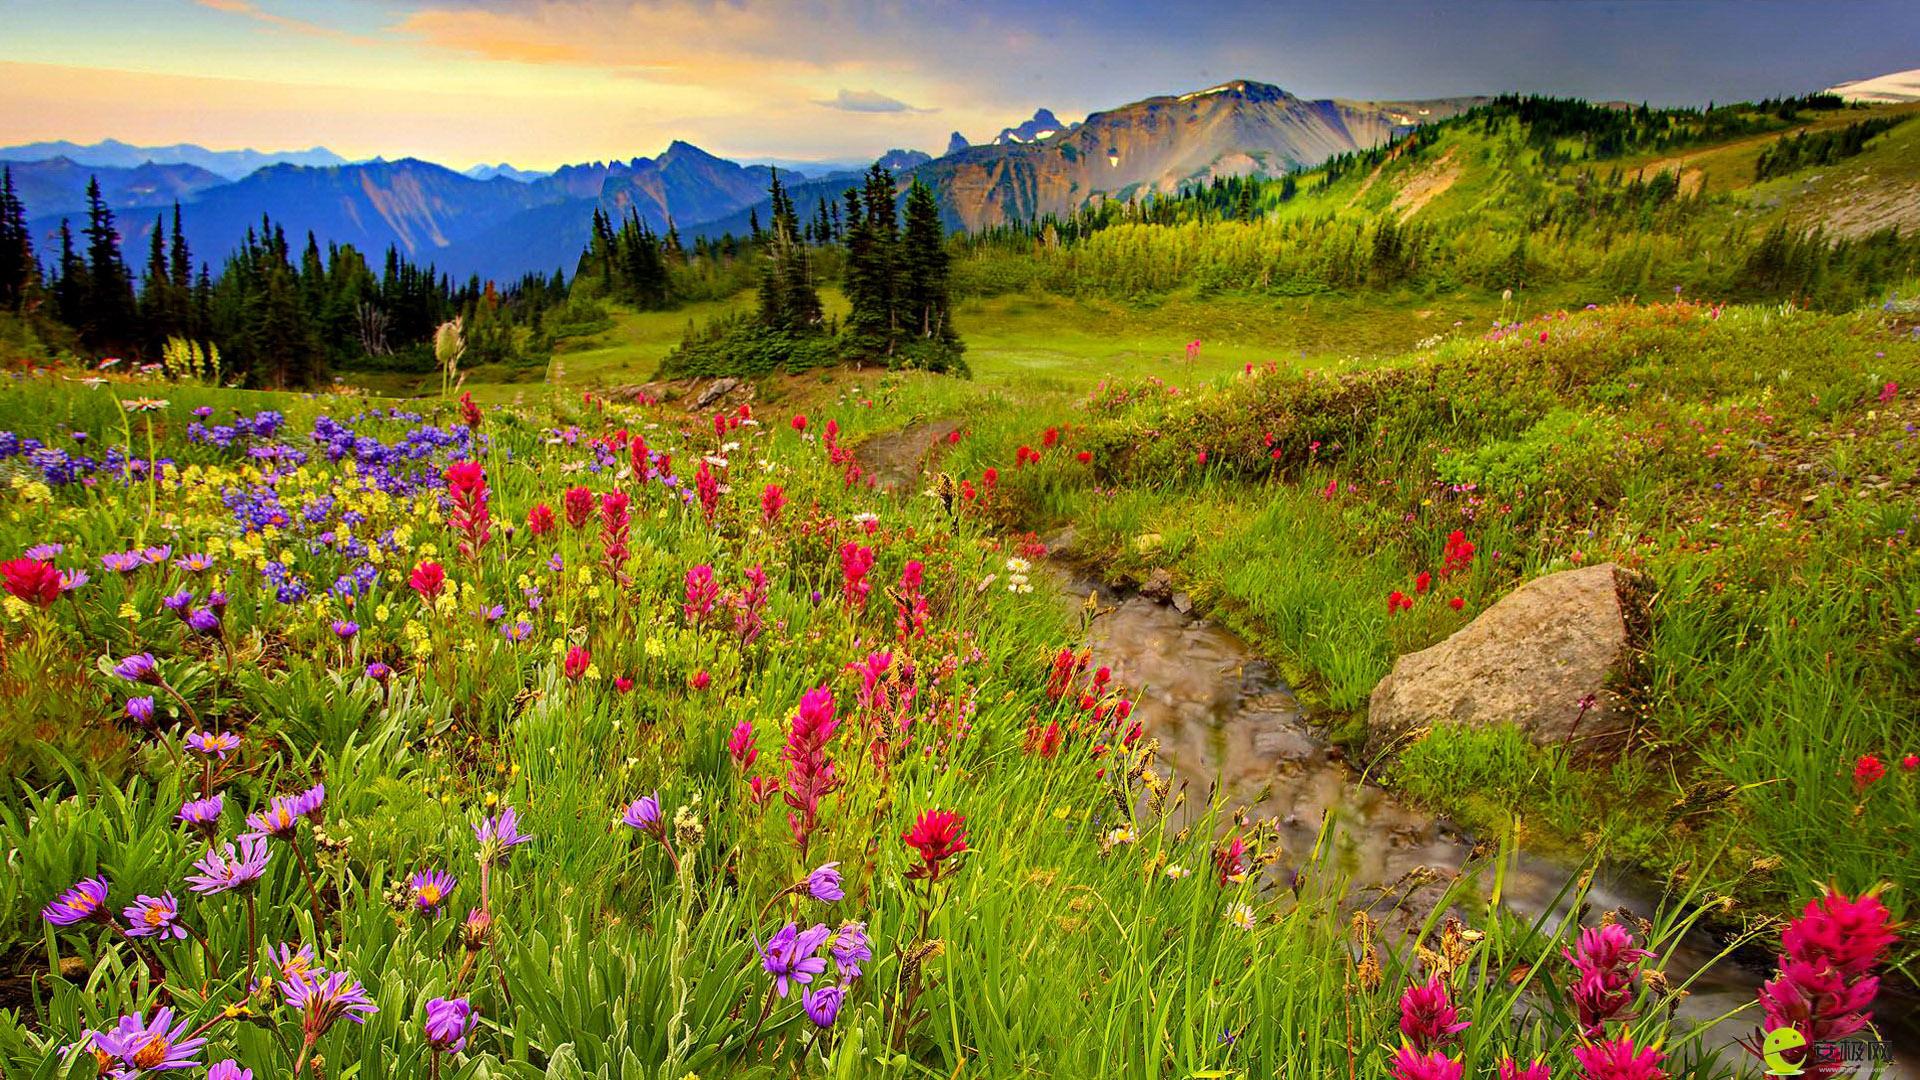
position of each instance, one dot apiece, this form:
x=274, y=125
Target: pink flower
x=1866, y=770
x=1411, y=1064
x=1513, y=1070
x=1619, y=1059
x=1427, y=1016
x=1605, y=962
x=578, y=660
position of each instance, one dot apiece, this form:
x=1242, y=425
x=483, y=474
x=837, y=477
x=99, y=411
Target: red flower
x=540, y=519
x=469, y=412
x=1230, y=859
x=1422, y=582
x=1457, y=603
x=579, y=505
x=428, y=579
x=31, y=580
x=1051, y=437
x=771, y=501
x=799, y=422
x=702, y=680
x=991, y=477
x=637, y=454
x=1398, y=601
x=1083, y=457
x=622, y=684
x=1910, y=762
x=1459, y=553
x=578, y=660
x=1201, y=457
x=1866, y=770
x=937, y=835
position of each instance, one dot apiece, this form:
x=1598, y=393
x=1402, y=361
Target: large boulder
x=1552, y=658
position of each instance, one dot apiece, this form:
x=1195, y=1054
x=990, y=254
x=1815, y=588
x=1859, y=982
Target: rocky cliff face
x=1158, y=144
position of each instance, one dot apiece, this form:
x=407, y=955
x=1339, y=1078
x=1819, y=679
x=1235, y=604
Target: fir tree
x=19, y=274
x=70, y=289
x=109, y=307
x=787, y=298
x=924, y=308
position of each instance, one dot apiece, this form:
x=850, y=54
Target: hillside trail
x=1225, y=717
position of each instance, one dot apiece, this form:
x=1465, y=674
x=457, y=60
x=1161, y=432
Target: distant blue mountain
x=112, y=153
x=59, y=185
x=488, y=172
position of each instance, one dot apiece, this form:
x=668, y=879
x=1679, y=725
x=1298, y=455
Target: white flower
x=1176, y=871
x=1018, y=565
x=1241, y=916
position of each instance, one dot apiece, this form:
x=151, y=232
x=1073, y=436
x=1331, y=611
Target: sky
x=540, y=83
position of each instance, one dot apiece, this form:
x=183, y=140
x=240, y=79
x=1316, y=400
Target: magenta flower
x=225, y=871
x=449, y=1022
x=212, y=743
x=1411, y=1064
x=1605, y=962
x=431, y=891
x=86, y=901
x=140, y=710
x=1513, y=1070
x=154, y=916
x=1823, y=988
x=1427, y=1016
x=279, y=819
x=499, y=835
x=824, y=883
x=822, y=1005
x=293, y=963
x=1619, y=1059
x=229, y=1070
x=789, y=957
x=137, y=1046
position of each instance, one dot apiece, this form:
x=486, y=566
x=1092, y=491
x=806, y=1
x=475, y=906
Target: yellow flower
x=382, y=612
x=130, y=613
x=17, y=608
x=655, y=647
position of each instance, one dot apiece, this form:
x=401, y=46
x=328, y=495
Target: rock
x=1182, y=603
x=1529, y=660
x=1158, y=586
x=716, y=390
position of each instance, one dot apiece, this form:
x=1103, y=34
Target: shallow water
x=1223, y=715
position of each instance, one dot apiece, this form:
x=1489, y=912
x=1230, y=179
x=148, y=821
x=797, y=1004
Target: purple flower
x=326, y=998
x=280, y=818
x=136, y=1046
x=789, y=957
x=155, y=916
x=823, y=1004
x=213, y=743
x=140, y=710
x=203, y=812
x=139, y=668
x=229, y=1070
x=449, y=1022
x=179, y=602
x=644, y=814
x=293, y=963
x=851, y=948
x=431, y=890
x=499, y=834
x=224, y=871
x=72, y=579
x=203, y=621
x=824, y=883
x=44, y=552
x=155, y=555
x=195, y=563
x=379, y=672
x=86, y=901
x=344, y=628
x=122, y=562
x=516, y=631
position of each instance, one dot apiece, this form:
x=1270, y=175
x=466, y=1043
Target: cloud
x=867, y=101
x=248, y=9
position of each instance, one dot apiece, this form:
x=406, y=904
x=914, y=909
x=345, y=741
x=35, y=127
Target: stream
x=1224, y=715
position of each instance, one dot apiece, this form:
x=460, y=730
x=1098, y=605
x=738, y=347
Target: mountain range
x=500, y=222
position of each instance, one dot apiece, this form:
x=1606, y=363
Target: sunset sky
x=543, y=82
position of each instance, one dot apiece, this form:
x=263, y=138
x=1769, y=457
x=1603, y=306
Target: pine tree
x=70, y=290
x=868, y=331
x=109, y=306
x=924, y=271
x=884, y=234
x=787, y=298
x=157, y=305
x=18, y=272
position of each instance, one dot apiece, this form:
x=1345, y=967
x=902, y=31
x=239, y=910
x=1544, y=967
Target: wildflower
x=824, y=883
x=202, y=812
x=1867, y=769
x=449, y=1022
x=1427, y=1016
x=1398, y=601
x=822, y=1005
x=1242, y=916
x=1410, y=1063
x=428, y=579
x=1604, y=960
x=1458, y=554
x=1824, y=989
x=291, y=962
x=431, y=891
x=325, y=998
x=740, y=745
x=772, y=501
x=1457, y=603
x=139, y=668
x=86, y=901
x=540, y=519
x=151, y=916
x=644, y=814
x=379, y=672
x=203, y=621
x=229, y=1070
x=1083, y=457
x=1422, y=582
x=937, y=835
x=31, y=580
x=850, y=949
x=469, y=412
x=702, y=592
x=476, y=930
x=855, y=562
x=1513, y=1070
x=137, y=1046
x=467, y=485
x=284, y=813
x=810, y=775
x=1230, y=860
x=799, y=422
x=789, y=957
x=226, y=870
x=1619, y=1059
x=499, y=835
x=1910, y=762
x=614, y=526
x=577, y=662
x=344, y=629
x=578, y=503
x=707, y=486
x=140, y=710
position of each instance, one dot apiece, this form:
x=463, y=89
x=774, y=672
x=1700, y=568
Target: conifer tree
x=925, y=312
x=70, y=289
x=109, y=305
x=18, y=272
x=787, y=298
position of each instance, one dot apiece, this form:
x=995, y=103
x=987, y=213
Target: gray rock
x=716, y=390
x=1529, y=660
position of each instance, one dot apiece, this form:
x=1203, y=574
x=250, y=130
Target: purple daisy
x=44, y=552
x=449, y=1022
x=225, y=870
x=155, y=916
x=194, y=563
x=644, y=814
x=789, y=957
x=294, y=963
x=139, y=668
x=851, y=948
x=325, y=998
x=140, y=710
x=86, y=901
x=823, y=1004
x=431, y=891
x=345, y=628
x=203, y=813
x=499, y=834
x=229, y=1070
x=212, y=743
x=139, y=1046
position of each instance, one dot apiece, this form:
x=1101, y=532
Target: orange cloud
x=250, y=10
